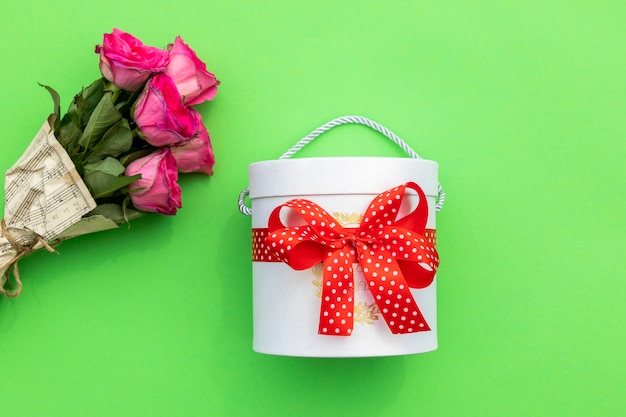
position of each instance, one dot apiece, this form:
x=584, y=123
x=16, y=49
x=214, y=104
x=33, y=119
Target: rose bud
x=160, y=114
x=195, y=155
x=127, y=62
x=195, y=84
x=157, y=189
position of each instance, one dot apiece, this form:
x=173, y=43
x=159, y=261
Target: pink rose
x=127, y=62
x=196, y=155
x=195, y=84
x=157, y=189
x=160, y=114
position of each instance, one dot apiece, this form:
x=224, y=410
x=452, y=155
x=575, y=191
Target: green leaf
x=78, y=163
x=71, y=127
x=56, y=99
x=68, y=132
x=126, y=103
x=105, y=185
x=108, y=165
x=116, y=213
x=87, y=100
x=102, y=118
x=103, y=178
x=117, y=140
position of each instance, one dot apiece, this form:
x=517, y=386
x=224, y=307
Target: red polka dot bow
x=393, y=255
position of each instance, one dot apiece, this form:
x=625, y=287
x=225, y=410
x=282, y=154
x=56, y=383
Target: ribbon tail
x=391, y=291
x=337, y=306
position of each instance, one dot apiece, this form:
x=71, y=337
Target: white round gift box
x=286, y=302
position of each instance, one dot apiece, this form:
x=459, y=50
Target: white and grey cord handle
x=441, y=195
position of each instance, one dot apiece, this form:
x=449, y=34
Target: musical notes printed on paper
x=43, y=193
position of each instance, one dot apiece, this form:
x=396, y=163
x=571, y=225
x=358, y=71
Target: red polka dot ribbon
x=393, y=254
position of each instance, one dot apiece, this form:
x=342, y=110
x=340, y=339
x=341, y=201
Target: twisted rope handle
x=441, y=195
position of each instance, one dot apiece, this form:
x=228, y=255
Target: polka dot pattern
x=337, y=309
x=261, y=252
x=390, y=290
x=378, y=244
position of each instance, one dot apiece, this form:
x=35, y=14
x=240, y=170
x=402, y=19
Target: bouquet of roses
x=114, y=155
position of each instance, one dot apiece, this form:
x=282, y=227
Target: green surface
x=521, y=102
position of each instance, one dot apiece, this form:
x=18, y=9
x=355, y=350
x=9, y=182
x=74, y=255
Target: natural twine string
x=11, y=265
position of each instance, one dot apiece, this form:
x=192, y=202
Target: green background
x=523, y=105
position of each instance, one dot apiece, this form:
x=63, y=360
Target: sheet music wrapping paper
x=45, y=196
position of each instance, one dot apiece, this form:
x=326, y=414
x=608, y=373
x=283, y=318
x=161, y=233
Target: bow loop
x=321, y=224
x=385, y=208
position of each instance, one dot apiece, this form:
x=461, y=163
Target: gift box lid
x=339, y=175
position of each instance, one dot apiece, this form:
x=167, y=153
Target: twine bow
x=6, y=286
x=393, y=255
